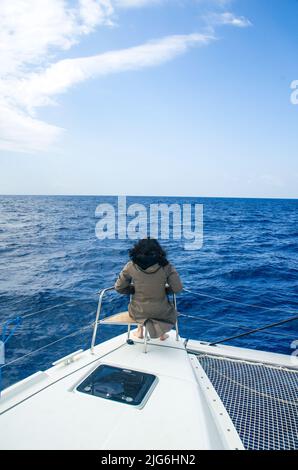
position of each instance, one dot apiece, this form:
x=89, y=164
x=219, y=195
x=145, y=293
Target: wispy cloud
x=40, y=87
x=137, y=3
x=19, y=128
x=228, y=18
x=21, y=132
x=218, y=14
x=216, y=3
x=32, y=32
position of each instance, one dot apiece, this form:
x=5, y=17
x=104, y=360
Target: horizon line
x=152, y=196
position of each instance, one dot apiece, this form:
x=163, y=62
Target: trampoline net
x=261, y=400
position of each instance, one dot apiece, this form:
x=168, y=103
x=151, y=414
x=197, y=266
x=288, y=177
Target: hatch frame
x=139, y=406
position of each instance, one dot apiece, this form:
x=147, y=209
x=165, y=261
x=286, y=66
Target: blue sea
x=49, y=256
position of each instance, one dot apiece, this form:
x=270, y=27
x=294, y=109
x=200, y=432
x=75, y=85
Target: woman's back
x=150, y=277
x=149, y=283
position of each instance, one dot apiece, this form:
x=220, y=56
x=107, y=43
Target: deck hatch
x=122, y=385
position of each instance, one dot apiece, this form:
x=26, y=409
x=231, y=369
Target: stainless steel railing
x=96, y=323
x=98, y=311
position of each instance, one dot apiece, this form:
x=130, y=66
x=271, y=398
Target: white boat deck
x=46, y=412
x=232, y=352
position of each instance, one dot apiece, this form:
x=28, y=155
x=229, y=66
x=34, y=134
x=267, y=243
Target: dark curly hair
x=148, y=248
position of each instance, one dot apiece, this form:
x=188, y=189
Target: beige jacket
x=149, y=302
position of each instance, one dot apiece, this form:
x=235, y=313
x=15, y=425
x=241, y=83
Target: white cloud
x=216, y=3
x=136, y=3
x=18, y=126
x=227, y=18
x=31, y=33
x=231, y=19
x=22, y=133
x=38, y=89
x=31, y=29
x=94, y=12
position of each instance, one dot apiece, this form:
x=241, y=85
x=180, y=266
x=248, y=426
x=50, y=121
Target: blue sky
x=149, y=97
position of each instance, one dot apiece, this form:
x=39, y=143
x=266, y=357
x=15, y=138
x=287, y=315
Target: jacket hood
x=147, y=261
x=152, y=269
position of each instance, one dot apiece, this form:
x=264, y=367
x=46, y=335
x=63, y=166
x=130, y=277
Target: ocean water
x=49, y=256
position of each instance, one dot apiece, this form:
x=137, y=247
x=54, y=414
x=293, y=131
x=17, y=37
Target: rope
x=28, y=315
x=200, y=294
x=255, y=330
x=13, y=324
x=47, y=345
x=50, y=308
x=14, y=301
x=230, y=325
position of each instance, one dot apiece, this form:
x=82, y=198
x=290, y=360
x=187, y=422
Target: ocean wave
x=49, y=254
